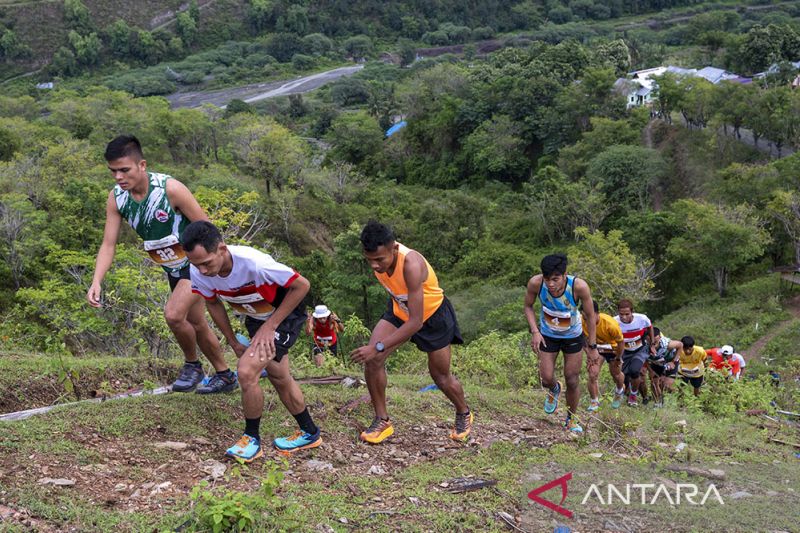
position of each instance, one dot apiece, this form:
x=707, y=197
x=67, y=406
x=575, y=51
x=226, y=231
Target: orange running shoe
x=378, y=431
x=463, y=426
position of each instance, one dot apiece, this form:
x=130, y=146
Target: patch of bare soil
x=754, y=353
x=42, y=390
x=149, y=472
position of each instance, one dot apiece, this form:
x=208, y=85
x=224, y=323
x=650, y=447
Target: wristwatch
x=592, y=346
x=379, y=346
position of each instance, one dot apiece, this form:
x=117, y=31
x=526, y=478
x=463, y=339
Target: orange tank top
x=395, y=285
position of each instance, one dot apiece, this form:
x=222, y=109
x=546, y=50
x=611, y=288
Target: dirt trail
x=754, y=353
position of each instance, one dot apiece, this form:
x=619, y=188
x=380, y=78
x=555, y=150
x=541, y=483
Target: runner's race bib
x=605, y=348
x=325, y=341
x=166, y=252
x=691, y=372
x=557, y=320
x=253, y=305
x=633, y=344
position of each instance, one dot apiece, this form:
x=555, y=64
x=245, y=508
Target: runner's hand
x=363, y=354
x=262, y=345
x=93, y=295
x=238, y=348
x=536, y=342
x=592, y=356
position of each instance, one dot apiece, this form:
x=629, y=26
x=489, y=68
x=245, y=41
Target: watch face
x=379, y=346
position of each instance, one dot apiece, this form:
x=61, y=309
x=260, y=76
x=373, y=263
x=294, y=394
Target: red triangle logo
x=562, y=481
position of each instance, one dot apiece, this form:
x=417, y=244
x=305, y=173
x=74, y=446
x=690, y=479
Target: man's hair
x=376, y=234
x=687, y=341
x=656, y=331
x=625, y=304
x=554, y=264
x=124, y=146
x=203, y=233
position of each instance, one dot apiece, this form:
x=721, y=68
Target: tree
x=604, y=132
x=611, y=269
x=717, y=240
x=355, y=137
x=696, y=104
x=562, y=206
x=77, y=16
x=282, y=46
x=187, y=28
x=317, y=44
x=668, y=94
x=87, y=48
x=407, y=52
x=358, y=47
x=118, y=37
x=260, y=14
x=626, y=174
x=496, y=151
x=295, y=20
x=785, y=207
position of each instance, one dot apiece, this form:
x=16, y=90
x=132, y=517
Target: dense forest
x=505, y=157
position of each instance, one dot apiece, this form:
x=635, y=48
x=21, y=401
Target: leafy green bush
x=230, y=510
x=497, y=360
x=721, y=396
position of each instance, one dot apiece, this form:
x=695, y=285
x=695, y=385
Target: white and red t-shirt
x=255, y=287
x=636, y=333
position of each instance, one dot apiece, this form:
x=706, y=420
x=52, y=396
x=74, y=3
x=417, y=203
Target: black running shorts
x=286, y=334
x=568, y=346
x=439, y=331
x=174, y=277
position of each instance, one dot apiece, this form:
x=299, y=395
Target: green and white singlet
x=156, y=222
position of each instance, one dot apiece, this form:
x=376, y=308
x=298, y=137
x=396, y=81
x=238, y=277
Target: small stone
x=213, y=468
x=201, y=440
x=376, y=470
x=441, y=449
x=681, y=423
x=58, y=482
x=338, y=457
x=377, y=499
x=161, y=487
x=120, y=487
x=350, y=383
x=343, y=520
x=596, y=455
x=318, y=466
x=717, y=474
x=771, y=493
x=414, y=500
x=740, y=494
x=149, y=485
x=444, y=484
x=325, y=528
x=680, y=447
x=170, y=445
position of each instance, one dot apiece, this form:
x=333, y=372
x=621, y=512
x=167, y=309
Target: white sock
x=620, y=391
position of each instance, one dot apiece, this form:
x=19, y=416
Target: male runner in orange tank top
x=419, y=311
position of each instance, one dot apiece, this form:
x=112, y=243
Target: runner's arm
x=181, y=199
x=263, y=342
x=585, y=294
x=220, y=317
x=309, y=325
x=534, y=286
x=105, y=256
x=337, y=323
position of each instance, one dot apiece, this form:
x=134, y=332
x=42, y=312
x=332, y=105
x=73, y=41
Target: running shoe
x=378, y=431
x=299, y=441
x=633, y=400
x=617, y=401
x=572, y=425
x=247, y=449
x=219, y=383
x=191, y=375
x=594, y=405
x=463, y=426
x=551, y=402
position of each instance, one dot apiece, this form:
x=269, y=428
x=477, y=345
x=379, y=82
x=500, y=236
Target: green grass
x=636, y=445
x=739, y=319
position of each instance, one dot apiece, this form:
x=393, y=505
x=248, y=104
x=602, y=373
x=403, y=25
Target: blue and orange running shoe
x=551, y=402
x=299, y=441
x=247, y=449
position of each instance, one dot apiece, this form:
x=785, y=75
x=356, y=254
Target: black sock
x=251, y=426
x=304, y=421
x=225, y=373
x=194, y=363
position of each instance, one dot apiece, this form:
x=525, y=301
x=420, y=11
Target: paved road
x=259, y=91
